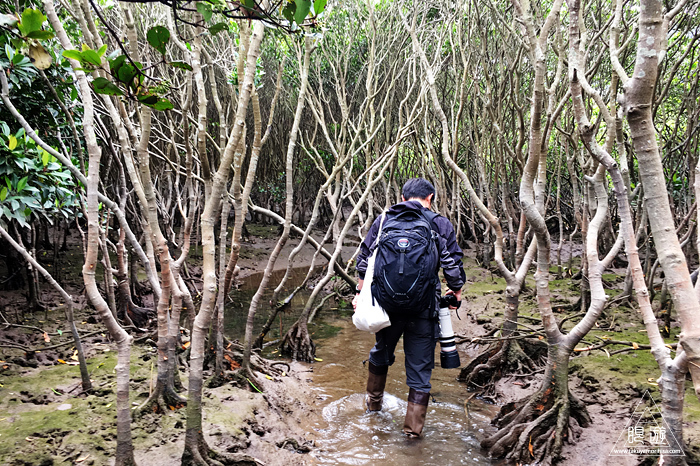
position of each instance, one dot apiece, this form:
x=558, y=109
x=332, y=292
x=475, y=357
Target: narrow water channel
x=345, y=433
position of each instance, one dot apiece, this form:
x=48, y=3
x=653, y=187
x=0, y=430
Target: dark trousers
x=419, y=339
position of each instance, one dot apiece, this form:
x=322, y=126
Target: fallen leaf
x=529, y=448
x=46, y=337
x=75, y=355
x=186, y=345
x=233, y=363
x=61, y=361
x=635, y=345
x=318, y=359
x=82, y=458
x=270, y=378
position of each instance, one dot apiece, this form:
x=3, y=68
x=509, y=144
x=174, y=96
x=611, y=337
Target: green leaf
x=102, y=50
x=18, y=59
x=22, y=183
x=303, y=8
x=44, y=157
x=73, y=54
x=41, y=35
x=163, y=104
x=31, y=21
x=13, y=142
x=158, y=37
x=217, y=28
x=104, y=86
x=319, y=6
x=155, y=103
x=181, y=65
x=288, y=11
x=92, y=57
x=205, y=10
x=60, y=332
x=9, y=51
x=148, y=99
x=3, y=194
x=126, y=73
x=116, y=63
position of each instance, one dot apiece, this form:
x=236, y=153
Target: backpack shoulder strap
x=379, y=233
x=430, y=216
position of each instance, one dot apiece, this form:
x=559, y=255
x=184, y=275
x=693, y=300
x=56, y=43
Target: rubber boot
x=415, y=413
x=376, y=381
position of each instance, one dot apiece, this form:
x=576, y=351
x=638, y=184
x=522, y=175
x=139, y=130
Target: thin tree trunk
x=125, y=452
x=639, y=90
x=309, y=46
x=196, y=449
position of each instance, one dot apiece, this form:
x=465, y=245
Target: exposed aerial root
x=198, y=453
x=162, y=400
x=533, y=430
x=233, y=355
x=297, y=342
x=507, y=357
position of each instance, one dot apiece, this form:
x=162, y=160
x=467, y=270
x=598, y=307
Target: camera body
x=449, y=357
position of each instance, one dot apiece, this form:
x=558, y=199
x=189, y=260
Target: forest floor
x=46, y=420
x=610, y=381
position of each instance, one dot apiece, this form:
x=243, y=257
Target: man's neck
x=424, y=202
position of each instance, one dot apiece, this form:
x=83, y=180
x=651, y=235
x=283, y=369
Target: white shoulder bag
x=369, y=315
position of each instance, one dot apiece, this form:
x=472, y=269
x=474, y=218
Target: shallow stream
x=345, y=433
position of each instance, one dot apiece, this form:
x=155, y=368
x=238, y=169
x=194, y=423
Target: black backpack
x=406, y=266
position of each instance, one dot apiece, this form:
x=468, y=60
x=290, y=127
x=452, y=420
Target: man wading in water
x=414, y=242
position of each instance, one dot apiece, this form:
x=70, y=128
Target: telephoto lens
x=449, y=357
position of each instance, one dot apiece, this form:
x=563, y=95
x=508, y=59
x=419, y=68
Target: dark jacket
x=450, y=253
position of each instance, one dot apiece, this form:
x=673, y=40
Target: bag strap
x=379, y=233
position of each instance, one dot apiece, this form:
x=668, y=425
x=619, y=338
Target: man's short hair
x=417, y=188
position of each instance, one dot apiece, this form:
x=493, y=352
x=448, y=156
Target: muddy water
x=345, y=433
x=237, y=311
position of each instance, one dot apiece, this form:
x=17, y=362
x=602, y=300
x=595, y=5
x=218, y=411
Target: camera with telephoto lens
x=449, y=357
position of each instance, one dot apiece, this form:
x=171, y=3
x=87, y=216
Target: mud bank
x=45, y=420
